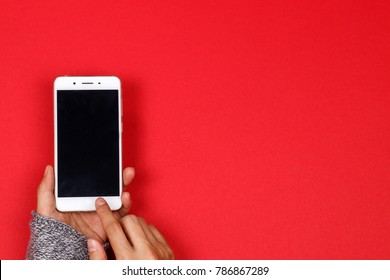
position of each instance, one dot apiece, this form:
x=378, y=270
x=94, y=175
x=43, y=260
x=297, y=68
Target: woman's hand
x=131, y=238
x=87, y=223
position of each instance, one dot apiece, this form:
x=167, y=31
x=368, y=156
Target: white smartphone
x=87, y=142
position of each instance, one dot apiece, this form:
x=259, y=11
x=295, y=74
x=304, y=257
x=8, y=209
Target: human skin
x=87, y=223
x=131, y=237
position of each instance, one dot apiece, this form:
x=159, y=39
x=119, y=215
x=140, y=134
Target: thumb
x=96, y=250
x=46, y=199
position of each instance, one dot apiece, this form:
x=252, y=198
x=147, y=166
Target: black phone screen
x=87, y=143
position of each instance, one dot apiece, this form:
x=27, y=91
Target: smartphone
x=87, y=142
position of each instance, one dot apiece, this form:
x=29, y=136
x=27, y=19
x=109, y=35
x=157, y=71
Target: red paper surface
x=258, y=129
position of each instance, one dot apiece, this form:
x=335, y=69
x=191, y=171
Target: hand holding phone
x=87, y=223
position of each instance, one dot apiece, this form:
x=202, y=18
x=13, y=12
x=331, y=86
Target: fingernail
x=46, y=170
x=92, y=246
x=100, y=201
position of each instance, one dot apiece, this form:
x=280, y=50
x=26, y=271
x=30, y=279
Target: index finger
x=112, y=227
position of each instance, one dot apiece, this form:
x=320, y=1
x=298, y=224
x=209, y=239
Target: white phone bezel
x=67, y=204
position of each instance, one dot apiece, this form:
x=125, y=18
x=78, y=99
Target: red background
x=258, y=129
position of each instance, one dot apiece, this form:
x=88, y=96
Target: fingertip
x=46, y=170
x=96, y=250
x=102, y=207
x=100, y=202
x=49, y=176
x=129, y=171
x=128, y=175
x=49, y=169
x=126, y=198
x=126, y=204
x=45, y=192
x=92, y=245
x=47, y=182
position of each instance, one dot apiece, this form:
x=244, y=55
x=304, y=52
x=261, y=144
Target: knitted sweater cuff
x=53, y=240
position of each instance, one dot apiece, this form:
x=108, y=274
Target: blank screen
x=87, y=143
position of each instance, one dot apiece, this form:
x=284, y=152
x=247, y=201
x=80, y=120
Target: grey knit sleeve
x=53, y=240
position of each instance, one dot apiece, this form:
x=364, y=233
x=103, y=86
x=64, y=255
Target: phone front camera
x=74, y=83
